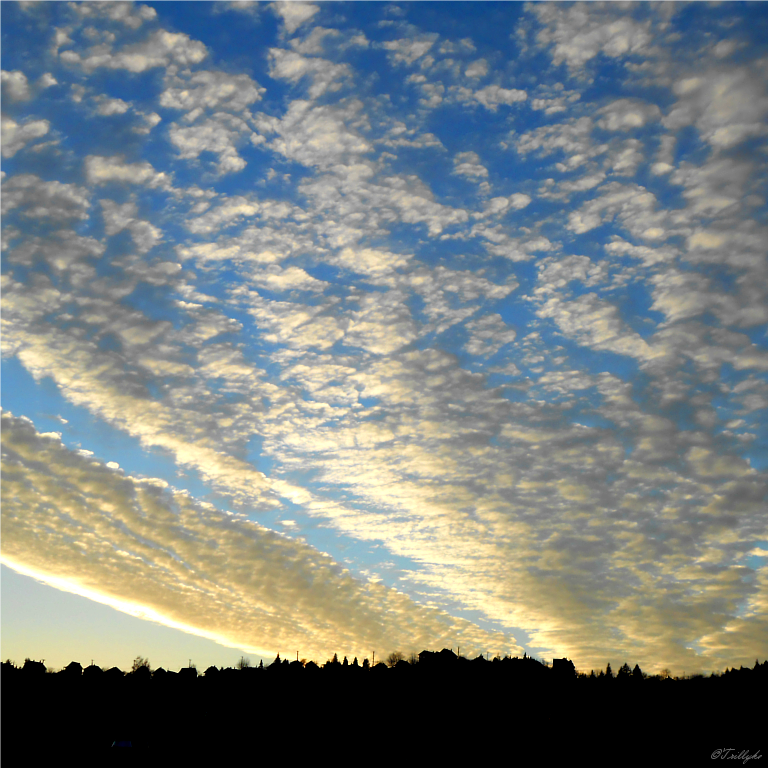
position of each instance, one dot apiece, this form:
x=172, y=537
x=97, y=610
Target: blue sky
x=353, y=327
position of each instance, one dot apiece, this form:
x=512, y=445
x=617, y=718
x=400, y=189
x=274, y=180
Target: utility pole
x=374, y=660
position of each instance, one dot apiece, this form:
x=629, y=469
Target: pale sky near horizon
x=353, y=327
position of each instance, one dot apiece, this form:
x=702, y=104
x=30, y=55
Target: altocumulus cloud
x=496, y=332
x=148, y=549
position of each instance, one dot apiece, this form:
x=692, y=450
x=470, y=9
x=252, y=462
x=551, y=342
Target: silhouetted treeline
x=438, y=709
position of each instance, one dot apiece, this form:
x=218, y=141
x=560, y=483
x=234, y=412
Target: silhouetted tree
x=140, y=662
x=637, y=673
x=243, y=663
x=393, y=658
x=366, y=664
x=609, y=671
x=624, y=672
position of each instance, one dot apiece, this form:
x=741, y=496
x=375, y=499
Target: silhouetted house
x=563, y=669
x=113, y=674
x=33, y=667
x=142, y=673
x=73, y=669
x=438, y=660
x=9, y=670
x=92, y=672
x=296, y=667
x=311, y=667
x=188, y=673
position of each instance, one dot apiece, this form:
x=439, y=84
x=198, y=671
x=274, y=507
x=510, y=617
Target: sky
x=361, y=327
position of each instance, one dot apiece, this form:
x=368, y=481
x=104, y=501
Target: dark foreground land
x=472, y=714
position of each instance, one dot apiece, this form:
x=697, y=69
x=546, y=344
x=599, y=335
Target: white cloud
x=573, y=138
x=128, y=13
x=493, y=95
x=294, y=14
x=37, y=199
x=372, y=262
x=499, y=205
x=406, y=51
x=518, y=201
x=727, y=105
x=250, y=7
x=319, y=135
x=555, y=99
x=634, y=206
x=160, y=49
x=15, y=86
x=596, y=323
x=150, y=121
x=322, y=39
x=210, y=90
x=468, y=164
x=487, y=334
x=580, y=32
x=477, y=69
x=292, y=323
x=382, y=325
x=105, y=170
x=278, y=279
x=291, y=66
x=119, y=217
x=625, y=158
x=16, y=136
x=716, y=188
x=627, y=114
x=107, y=107
x=219, y=134
x=47, y=80
x=648, y=254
